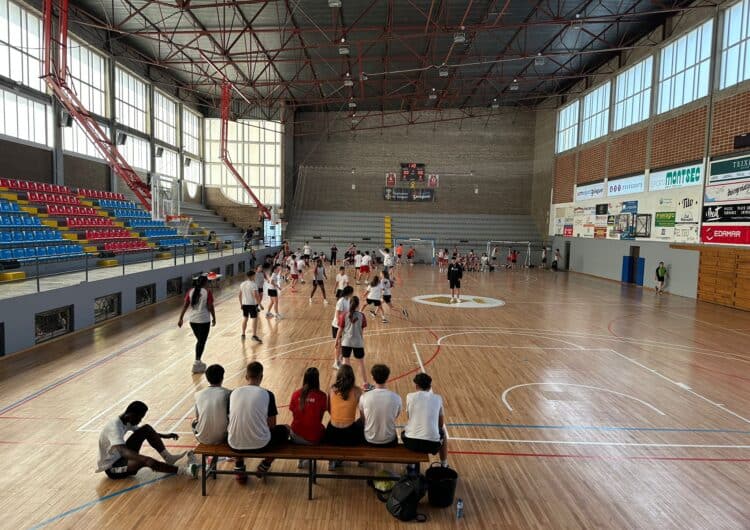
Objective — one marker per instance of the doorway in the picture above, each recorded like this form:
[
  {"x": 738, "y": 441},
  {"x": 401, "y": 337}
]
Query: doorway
[
  {"x": 635, "y": 254},
  {"x": 567, "y": 255}
]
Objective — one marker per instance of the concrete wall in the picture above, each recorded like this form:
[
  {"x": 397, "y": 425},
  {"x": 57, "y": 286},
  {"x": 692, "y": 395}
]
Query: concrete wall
[
  {"x": 86, "y": 173},
  {"x": 22, "y": 161},
  {"x": 544, "y": 168},
  {"x": 18, "y": 314},
  {"x": 499, "y": 151},
  {"x": 603, "y": 258}
]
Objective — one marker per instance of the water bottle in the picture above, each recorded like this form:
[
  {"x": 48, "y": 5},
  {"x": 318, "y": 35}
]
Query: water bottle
[{"x": 459, "y": 509}]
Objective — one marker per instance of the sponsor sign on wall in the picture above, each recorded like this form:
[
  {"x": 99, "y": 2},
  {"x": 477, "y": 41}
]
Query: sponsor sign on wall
[
  {"x": 568, "y": 231},
  {"x": 665, "y": 219},
  {"x": 590, "y": 191},
  {"x": 600, "y": 232},
  {"x": 679, "y": 177},
  {"x": 735, "y": 191},
  {"x": 727, "y": 213},
  {"x": 688, "y": 210},
  {"x": 602, "y": 209},
  {"x": 626, "y": 186},
  {"x": 728, "y": 170},
  {"x": 728, "y": 234}
]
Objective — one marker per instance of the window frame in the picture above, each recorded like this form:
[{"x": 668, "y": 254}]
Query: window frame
[{"x": 570, "y": 130}]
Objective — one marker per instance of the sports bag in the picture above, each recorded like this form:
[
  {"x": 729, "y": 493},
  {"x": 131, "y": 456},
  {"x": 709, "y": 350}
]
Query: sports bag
[{"x": 404, "y": 499}]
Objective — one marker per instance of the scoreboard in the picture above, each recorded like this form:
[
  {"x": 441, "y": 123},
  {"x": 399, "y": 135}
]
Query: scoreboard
[{"x": 412, "y": 172}]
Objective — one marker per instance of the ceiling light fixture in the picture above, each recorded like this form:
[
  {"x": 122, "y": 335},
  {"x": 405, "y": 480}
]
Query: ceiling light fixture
[
  {"x": 495, "y": 103},
  {"x": 443, "y": 71},
  {"x": 343, "y": 47},
  {"x": 348, "y": 81},
  {"x": 514, "y": 85},
  {"x": 433, "y": 94},
  {"x": 539, "y": 60},
  {"x": 334, "y": 3}
]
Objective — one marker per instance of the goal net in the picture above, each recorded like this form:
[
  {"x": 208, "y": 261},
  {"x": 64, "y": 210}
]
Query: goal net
[
  {"x": 499, "y": 250},
  {"x": 424, "y": 249},
  {"x": 165, "y": 197}
]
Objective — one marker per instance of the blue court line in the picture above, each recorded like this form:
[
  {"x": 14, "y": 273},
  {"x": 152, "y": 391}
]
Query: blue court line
[
  {"x": 595, "y": 428},
  {"x": 97, "y": 501},
  {"x": 75, "y": 374}
]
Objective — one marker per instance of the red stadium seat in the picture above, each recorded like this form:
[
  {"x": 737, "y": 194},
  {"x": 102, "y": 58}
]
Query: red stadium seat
[{"x": 4, "y": 183}]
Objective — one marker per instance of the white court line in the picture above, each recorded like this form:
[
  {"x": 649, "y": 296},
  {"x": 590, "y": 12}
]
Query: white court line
[
  {"x": 607, "y": 444},
  {"x": 525, "y": 334},
  {"x": 707, "y": 323},
  {"x": 682, "y": 386},
  {"x": 419, "y": 359},
  {"x": 500, "y": 347},
  {"x": 628, "y": 396}
]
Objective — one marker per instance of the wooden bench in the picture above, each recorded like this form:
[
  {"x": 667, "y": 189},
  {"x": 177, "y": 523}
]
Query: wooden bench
[{"x": 361, "y": 453}]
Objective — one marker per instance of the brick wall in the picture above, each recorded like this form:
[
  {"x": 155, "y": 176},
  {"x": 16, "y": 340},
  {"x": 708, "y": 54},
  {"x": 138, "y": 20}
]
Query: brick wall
[
  {"x": 21, "y": 161},
  {"x": 731, "y": 118},
  {"x": 592, "y": 163},
  {"x": 679, "y": 139},
  {"x": 565, "y": 178},
  {"x": 627, "y": 154},
  {"x": 84, "y": 173}
]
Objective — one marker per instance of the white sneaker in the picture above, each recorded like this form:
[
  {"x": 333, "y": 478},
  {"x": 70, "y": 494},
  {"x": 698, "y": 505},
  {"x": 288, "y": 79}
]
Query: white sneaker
[
  {"x": 189, "y": 470},
  {"x": 279, "y": 316},
  {"x": 325, "y": 301},
  {"x": 336, "y": 364},
  {"x": 269, "y": 315},
  {"x": 385, "y": 321},
  {"x": 198, "y": 367},
  {"x": 309, "y": 301}
]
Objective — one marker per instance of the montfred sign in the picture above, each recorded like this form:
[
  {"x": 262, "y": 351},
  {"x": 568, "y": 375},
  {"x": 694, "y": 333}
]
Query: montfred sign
[{"x": 679, "y": 177}]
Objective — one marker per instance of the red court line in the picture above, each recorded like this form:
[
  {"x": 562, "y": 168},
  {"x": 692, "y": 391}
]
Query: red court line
[
  {"x": 426, "y": 363},
  {"x": 600, "y": 457}
]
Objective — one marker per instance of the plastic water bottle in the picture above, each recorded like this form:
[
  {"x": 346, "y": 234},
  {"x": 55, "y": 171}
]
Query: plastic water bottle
[{"x": 460, "y": 509}]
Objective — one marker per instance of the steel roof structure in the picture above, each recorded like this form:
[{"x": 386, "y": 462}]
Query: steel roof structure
[{"x": 381, "y": 55}]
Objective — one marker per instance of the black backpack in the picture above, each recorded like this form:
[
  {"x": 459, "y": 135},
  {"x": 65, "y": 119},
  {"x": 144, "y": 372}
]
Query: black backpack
[{"x": 404, "y": 498}]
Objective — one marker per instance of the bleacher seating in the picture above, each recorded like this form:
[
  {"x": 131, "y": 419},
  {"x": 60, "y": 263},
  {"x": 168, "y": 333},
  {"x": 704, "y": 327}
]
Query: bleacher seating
[
  {"x": 8, "y": 237},
  {"x": 87, "y": 222},
  {"x": 159, "y": 232},
  {"x": 131, "y": 214},
  {"x": 145, "y": 223},
  {"x": 115, "y": 233},
  {"x": 7, "y": 206},
  {"x": 18, "y": 221},
  {"x": 27, "y": 185},
  {"x": 97, "y": 194},
  {"x": 115, "y": 204},
  {"x": 125, "y": 246},
  {"x": 173, "y": 242},
  {"x": 51, "y": 198},
  {"x": 62, "y": 210}
]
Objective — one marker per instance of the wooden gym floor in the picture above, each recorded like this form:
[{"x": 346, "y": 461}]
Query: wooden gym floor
[{"x": 579, "y": 404}]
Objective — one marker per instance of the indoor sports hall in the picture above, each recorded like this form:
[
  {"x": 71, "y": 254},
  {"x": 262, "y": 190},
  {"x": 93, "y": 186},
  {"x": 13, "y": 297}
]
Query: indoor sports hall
[{"x": 363, "y": 263}]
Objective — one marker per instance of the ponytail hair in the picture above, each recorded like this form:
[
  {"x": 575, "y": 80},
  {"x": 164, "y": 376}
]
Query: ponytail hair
[
  {"x": 198, "y": 285},
  {"x": 375, "y": 281},
  {"x": 353, "y": 306}
]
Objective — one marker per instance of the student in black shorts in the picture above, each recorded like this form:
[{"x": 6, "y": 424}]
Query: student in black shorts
[
  {"x": 334, "y": 254},
  {"x": 455, "y": 273}
]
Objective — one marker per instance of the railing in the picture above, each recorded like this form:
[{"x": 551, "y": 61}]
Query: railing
[{"x": 49, "y": 274}]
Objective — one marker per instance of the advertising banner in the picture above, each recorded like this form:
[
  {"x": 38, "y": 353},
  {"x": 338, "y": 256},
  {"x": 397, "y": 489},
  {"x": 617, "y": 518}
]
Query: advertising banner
[
  {"x": 679, "y": 177},
  {"x": 727, "y": 213},
  {"x": 590, "y": 191},
  {"x": 728, "y": 170},
  {"x": 602, "y": 209},
  {"x": 433, "y": 181},
  {"x": 390, "y": 180},
  {"x": 732, "y": 235},
  {"x": 736, "y": 191},
  {"x": 687, "y": 233},
  {"x": 629, "y": 207},
  {"x": 626, "y": 186},
  {"x": 665, "y": 219},
  {"x": 568, "y": 231},
  {"x": 600, "y": 232},
  {"x": 688, "y": 211}
]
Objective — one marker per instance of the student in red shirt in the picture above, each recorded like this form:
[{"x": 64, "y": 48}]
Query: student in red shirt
[{"x": 308, "y": 405}]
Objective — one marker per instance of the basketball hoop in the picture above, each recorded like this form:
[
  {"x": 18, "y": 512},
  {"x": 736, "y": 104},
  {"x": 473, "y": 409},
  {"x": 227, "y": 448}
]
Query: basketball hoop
[{"x": 181, "y": 223}]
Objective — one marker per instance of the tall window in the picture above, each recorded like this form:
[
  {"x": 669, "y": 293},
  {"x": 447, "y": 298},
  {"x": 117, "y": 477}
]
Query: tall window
[
  {"x": 633, "y": 94},
  {"x": 735, "y": 52},
  {"x": 137, "y": 152},
  {"x": 684, "y": 69},
  {"x": 595, "y": 122},
  {"x": 24, "y": 118},
  {"x": 131, "y": 101},
  {"x": 255, "y": 150},
  {"x": 567, "y": 127},
  {"x": 191, "y": 132},
  {"x": 166, "y": 164},
  {"x": 76, "y": 141},
  {"x": 192, "y": 175},
  {"x": 20, "y": 45},
  {"x": 88, "y": 73},
  {"x": 165, "y": 119}
]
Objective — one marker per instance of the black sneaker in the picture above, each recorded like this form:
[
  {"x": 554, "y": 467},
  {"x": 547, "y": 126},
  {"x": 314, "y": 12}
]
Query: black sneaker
[
  {"x": 256, "y": 338},
  {"x": 243, "y": 336}
]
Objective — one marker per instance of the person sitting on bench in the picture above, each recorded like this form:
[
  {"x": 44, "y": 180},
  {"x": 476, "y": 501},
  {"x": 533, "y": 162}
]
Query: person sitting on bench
[
  {"x": 379, "y": 409},
  {"x": 424, "y": 431},
  {"x": 212, "y": 409},
  {"x": 343, "y": 398},
  {"x": 252, "y": 421},
  {"x": 120, "y": 458},
  {"x": 308, "y": 406}
]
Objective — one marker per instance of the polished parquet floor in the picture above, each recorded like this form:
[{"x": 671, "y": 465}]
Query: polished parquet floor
[{"x": 580, "y": 403}]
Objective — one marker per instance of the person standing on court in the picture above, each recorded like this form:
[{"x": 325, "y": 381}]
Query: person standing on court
[
  {"x": 455, "y": 273},
  {"x": 661, "y": 277},
  {"x": 200, "y": 300},
  {"x": 249, "y": 300},
  {"x": 555, "y": 259}
]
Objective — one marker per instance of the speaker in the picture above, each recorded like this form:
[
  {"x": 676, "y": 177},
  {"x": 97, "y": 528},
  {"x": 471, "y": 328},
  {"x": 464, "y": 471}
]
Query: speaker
[
  {"x": 66, "y": 120},
  {"x": 187, "y": 162},
  {"x": 158, "y": 152},
  {"x": 121, "y": 138},
  {"x": 742, "y": 141}
]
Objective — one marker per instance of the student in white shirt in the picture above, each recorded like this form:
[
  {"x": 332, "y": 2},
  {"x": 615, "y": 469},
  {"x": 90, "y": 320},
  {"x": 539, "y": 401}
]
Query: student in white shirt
[
  {"x": 200, "y": 300},
  {"x": 379, "y": 409},
  {"x": 374, "y": 295},
  {"x": 293, "y": 271},
  {"x": 387, "y": 284},
  {"x": 273, "y": 292},
  {"x": 249, "y": 300},
  {"x": 365, "y": 266},
  {"x": 388, "y": 259},
  {"x": 301, "y": 268},
  {"x": 342, "y": 280},
  {"x": 357, "y": 265},
  {"x": 212, "y": 409},
  {"x": 120, "y": 458},
  {"x": 306, "y": 251},
  {"x": 252, "y": 421},
  {"x": 319, "y": 280},
  {"x": 424, "y": 431},
  {"x": 342, "y": 309}
]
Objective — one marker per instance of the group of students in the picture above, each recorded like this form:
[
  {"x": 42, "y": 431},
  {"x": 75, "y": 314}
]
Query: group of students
[{"x": 246, "y": 419}]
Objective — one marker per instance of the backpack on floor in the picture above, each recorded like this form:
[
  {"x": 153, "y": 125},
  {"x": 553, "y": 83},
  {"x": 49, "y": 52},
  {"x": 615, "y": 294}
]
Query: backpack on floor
[
  {"x": 383, "y": 483},
  {"x": 404, "y": 499}
]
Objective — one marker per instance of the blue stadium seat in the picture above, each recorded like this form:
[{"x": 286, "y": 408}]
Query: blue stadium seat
[
  {"x": 31, "y": 252},
  {"x": 28, "y": 220},
  {"x": 6, "y": 254},
  {"x": 19, "y": 236},
  {"x": 6, "y": 237},
  {"x": 41, "y": 252},
  {"x": 30, "y": 235},
  {"x": 4, "y": 221},
  {"x": 5, "y": 207},
  {"x": 19, "y": 253}
]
